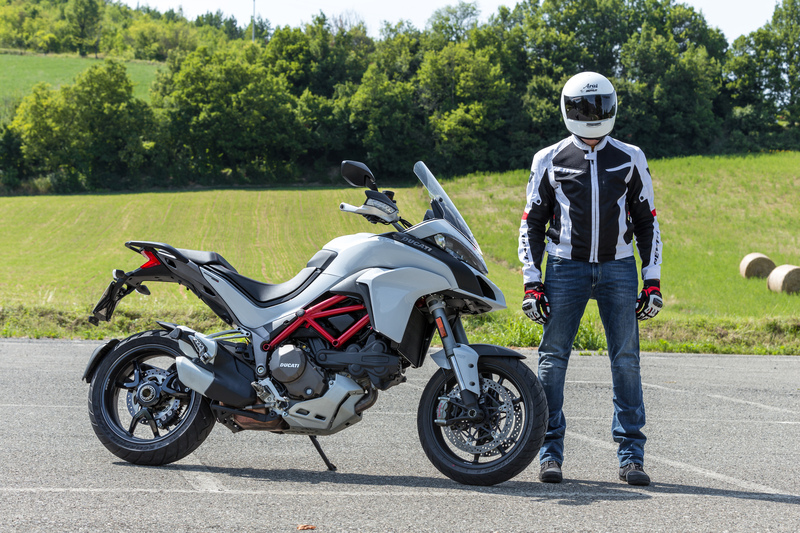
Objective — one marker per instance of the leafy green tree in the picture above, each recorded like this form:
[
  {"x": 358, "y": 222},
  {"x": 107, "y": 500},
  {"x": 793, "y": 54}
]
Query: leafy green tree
[
  {"x": 452, "y": 24},
  {"x": 398, "y": 53},
  {"x": 317, "y": 57},
  {"x": 12, "y": 161},
  {"x": 94, "y": 128},
  {"x": 599, "y": 27},
  {"x": 389, "y": 123},
  {"x": 748, "y": 78},
  {"x": 84, "y": 20},
  {"x": 154, "y": 40},
  {"x": 504, "y": 38},
  {"x": 218, "y": 20},
  {"x": 785, "y": 59},
  {"x": 552, "y": 53},
  {"x": 462, "y": 93},
  {"x": 46, "y": 42},
  {"x": 263, "y": 30},
  {"x": 228, "y": 117},
  {"x": 666, "y": 98}
]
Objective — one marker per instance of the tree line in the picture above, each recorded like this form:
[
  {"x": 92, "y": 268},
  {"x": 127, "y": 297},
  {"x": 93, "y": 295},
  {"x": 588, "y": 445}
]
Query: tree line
[{"x": 291, "y": 103}]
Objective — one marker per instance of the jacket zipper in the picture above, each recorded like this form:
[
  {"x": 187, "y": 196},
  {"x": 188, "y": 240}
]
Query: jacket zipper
[{"x": 593, "y": 252}]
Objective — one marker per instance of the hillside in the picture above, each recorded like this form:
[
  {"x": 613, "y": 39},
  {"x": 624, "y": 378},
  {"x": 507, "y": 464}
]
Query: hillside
[
  {"x": 19, "y": 73},
  {"x": 58, "y": 252}
]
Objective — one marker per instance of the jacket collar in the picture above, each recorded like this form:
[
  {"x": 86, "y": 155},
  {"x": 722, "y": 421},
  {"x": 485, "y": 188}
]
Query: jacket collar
[{"x": 585, "y": 147}]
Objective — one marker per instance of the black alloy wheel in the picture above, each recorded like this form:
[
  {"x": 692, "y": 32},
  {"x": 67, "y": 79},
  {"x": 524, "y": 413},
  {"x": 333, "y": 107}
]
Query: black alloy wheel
[
  {"x": 138, "y": 407},
  {"x": 507, "y": 438}
]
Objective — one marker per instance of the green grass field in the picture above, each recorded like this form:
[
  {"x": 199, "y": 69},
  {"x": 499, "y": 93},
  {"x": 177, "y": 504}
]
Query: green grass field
[
  {"x": 19, "y": 73},
  {"x": 58, "y": 252}
]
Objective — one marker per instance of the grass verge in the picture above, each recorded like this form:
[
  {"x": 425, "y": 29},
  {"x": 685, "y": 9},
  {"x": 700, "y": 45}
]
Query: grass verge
[{"x": 767, "y": 336}]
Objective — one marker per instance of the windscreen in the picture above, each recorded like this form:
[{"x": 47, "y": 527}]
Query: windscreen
[{"x": 440, "y": 198}]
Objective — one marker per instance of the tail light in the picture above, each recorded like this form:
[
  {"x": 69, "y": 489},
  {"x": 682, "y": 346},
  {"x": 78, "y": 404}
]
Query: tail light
[{"x": 152, "y": 260}]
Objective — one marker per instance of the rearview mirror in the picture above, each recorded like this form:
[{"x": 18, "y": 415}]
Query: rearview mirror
[{"x": 358, "y": 174}]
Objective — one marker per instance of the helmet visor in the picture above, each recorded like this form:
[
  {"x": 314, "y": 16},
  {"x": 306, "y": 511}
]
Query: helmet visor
[{"x": 591, "y": 108}]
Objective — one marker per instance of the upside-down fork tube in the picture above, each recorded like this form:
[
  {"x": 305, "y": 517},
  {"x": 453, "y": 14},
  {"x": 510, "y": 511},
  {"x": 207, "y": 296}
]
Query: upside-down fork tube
[{"x": 464, "y": 368}]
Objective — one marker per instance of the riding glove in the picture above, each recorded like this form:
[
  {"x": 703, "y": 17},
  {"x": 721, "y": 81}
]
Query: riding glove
[
  {"x": 650, "y": 300},
  {"x": 535, "y": 304}
]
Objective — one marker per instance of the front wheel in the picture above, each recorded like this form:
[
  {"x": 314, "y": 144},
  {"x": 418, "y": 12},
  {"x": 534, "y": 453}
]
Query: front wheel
[
  {"x": 139, "y": 409},
  {"x": 507, "y": 439}
]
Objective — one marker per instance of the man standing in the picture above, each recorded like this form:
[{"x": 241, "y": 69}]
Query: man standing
[{"x": 588, "y": 196}]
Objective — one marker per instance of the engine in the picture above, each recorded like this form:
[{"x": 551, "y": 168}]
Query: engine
[
  {"x": 372, "y": 361},
  {"x": 302, "y": 378},
  {"x": 302, "y": 370}
]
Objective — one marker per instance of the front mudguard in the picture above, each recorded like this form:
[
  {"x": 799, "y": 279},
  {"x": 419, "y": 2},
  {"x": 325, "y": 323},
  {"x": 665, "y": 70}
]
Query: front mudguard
[{"x": 466, "y": 357}]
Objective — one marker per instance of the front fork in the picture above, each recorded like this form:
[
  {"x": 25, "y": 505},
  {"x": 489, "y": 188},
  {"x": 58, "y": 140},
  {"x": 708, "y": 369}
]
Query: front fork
[{"x": 458, "y": 356}]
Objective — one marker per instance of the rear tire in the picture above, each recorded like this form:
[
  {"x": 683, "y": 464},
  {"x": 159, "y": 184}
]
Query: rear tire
[
  {"x": 504, "y": 443},
  {"x": 139, "y": 409}
]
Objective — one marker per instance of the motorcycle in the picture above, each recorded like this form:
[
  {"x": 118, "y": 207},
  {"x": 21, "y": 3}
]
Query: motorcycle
[{"x": 310, "y": 355}]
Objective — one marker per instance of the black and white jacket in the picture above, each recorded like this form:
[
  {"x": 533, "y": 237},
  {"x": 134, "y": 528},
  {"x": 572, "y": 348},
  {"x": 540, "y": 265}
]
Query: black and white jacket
[{"x": 595, "y": 202}]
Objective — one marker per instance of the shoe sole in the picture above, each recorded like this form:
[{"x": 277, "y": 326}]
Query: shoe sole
[
  {"x": 550, "y": 478},
  {"x": 636, "y": 480}
]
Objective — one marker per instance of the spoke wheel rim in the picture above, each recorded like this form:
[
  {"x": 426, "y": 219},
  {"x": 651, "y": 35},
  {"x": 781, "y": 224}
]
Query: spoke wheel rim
[
  {"x": 491, "y": 441},
  {"x": 143, "y": 401}
]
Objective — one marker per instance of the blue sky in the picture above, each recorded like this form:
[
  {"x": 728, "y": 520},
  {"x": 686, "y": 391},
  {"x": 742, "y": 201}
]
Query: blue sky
[{"x": 733, "y": 17}]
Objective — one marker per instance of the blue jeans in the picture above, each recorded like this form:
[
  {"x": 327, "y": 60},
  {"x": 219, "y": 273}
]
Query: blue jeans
[{"x": 614, "y": 284}]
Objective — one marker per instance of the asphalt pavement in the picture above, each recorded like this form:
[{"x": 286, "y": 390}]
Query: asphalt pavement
[{"x": 723, "y": 452}]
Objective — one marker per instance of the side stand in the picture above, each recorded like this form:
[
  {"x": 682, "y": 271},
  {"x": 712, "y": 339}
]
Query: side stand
[{"x": 315, "y": 442}]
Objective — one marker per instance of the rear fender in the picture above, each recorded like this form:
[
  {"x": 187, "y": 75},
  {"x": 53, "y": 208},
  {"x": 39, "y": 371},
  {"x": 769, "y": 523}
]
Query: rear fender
[{"x": 99, "y": 353}]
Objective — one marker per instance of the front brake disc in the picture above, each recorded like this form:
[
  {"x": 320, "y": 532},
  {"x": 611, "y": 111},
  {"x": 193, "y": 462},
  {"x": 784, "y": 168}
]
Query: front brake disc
[{"x": 487, "y": 436}]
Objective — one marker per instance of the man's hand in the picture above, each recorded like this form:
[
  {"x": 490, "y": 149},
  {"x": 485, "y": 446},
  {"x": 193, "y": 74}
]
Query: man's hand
[
  {"x": 535, "y": 304},
  {"x": 650, "y": 301}
]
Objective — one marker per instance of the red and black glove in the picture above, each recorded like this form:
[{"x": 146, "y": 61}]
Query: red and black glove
[
  {"x": 650, "y": 300},
  {"x": 535, "y": 304}
]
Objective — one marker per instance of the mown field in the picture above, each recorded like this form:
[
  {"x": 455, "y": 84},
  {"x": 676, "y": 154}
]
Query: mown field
[
  {"x": 19, "y": 73},
  {"x": 58, "y": 252}
]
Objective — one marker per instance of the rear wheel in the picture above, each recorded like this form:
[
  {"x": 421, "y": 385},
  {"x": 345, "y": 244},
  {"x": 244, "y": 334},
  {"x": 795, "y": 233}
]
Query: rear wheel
[
  {"x": 138, "y": 407},
  {"x": 508, "y": 437}
]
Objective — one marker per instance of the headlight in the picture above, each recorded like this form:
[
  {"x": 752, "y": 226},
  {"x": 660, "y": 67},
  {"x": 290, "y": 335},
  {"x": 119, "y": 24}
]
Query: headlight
[{"x": 461, "y": 252}]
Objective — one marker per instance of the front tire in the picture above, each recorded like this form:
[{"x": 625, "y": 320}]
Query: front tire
[
  {"x": 139, "y": 409},
  {"x": 504, "y": 443}
]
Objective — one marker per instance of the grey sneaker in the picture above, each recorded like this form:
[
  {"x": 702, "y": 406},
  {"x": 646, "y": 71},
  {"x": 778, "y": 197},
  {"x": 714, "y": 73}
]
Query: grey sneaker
[
  {"x": 634, "y": 474},
  {"x": 550, "y": 472}
]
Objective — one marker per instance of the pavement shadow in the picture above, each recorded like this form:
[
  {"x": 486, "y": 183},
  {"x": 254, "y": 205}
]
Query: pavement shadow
[
  {"x": 584, "y": 492},
  {"x": 569, "y": 492}
]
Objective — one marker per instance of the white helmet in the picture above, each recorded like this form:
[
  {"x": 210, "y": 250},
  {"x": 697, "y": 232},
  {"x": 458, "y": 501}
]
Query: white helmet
[{"x": 589, "y": 105}]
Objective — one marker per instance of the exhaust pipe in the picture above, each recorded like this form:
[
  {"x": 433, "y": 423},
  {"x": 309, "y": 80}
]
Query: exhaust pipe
[
  {"x": 194, "y": 377},
  {"x": 221, "y": 381}
]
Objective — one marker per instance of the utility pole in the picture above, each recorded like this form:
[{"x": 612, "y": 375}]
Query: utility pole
[{"x": 254, "y": 20}]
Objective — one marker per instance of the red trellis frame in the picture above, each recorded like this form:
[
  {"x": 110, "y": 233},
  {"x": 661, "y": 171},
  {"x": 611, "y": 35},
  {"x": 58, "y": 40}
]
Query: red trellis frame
[{"x": 323, "y": 310}]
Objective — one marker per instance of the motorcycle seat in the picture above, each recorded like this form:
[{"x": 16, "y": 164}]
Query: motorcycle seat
[
  {"x": 268, "y": 294},
  {"x": 206, "y": 258}
]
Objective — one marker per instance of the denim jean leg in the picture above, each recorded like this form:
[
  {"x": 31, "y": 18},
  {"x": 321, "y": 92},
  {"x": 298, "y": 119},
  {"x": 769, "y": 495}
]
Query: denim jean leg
[
  {"x": 567, "y": 286},
  {"x": 616, "y": 293}
]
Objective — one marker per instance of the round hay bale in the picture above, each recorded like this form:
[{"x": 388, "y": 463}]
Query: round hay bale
[
  {"x": 756, "y": 265},
  {"x": 785, "y": 278}
]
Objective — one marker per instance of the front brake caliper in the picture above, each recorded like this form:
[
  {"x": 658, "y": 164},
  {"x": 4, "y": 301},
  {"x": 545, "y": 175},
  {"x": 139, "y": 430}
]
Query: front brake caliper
[{"x": 441, "y": 411}]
